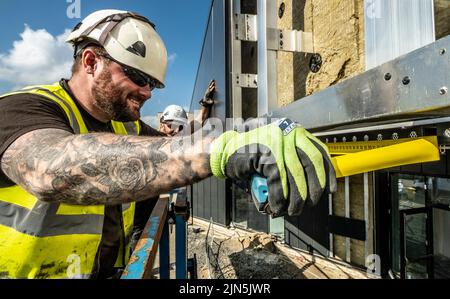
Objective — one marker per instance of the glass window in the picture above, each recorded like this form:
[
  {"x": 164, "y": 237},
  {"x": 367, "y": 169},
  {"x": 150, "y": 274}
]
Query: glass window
[
  {"x": 241, "y": 203},
  {"x": 408, "y": 192},
  {"x": 411, "y": 192},
  {"x": 439, "y": 191},
  {"x": 416, "y": 246},
  {"x": 245, "y": 213}
]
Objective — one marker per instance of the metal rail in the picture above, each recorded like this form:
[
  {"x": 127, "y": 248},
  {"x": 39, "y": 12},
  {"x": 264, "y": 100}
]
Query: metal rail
[
  {"x": 411, "y": 86},
  {"x": 156, "y": 235},
  {"x": 142, "y": 260}
]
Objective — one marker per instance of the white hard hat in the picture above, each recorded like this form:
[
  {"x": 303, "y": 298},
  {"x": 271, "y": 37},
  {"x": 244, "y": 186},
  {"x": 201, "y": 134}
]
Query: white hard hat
[
  {"x": 127, "y": 37},
  {"x": 174, "y": 113}
]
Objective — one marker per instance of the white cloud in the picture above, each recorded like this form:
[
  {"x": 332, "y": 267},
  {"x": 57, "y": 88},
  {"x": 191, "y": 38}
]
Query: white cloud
[
  {"x": 171, "y": 58},
  {"x": 37, "y": 58}
]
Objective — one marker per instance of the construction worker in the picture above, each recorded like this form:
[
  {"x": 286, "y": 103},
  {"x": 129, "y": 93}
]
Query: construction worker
[
  {"x": 174, "y": 118},
  {"x": 73, "y": 167}
]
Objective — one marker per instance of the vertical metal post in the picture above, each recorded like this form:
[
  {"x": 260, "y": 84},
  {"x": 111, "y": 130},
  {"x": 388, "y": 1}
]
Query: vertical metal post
[
  {"x": 267, "y": 72},
  {"x": 236, "y": 66},
  {"x": 366, "y": 214},
  {"x": 402, "y": 246},
  {"x": 267, "y": 59},
  {"x": 330, "y": 212},
  {"x": 180, "y": 247},
  {"x": 347, "y": 215},
  {"x": 164, "y": 253}
]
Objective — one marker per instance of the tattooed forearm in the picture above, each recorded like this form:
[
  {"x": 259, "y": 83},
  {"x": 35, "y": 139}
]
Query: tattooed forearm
[{"x": 55, "y": 165}]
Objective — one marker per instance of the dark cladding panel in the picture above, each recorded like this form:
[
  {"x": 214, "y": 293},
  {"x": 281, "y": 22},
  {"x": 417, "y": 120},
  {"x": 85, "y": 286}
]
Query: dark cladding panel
[
  {"x": 310, "y": 228},
  {"x": 214, "y": 190},
  {"x": 221, "y": 212},
  {"x": 213, "y": 62},
  {"x": 435, "y": 168},
  {"x": 210, "y": 198}
]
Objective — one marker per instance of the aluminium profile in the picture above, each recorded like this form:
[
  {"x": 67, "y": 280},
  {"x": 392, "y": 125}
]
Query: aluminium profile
[{"x": 411, "y": 86}]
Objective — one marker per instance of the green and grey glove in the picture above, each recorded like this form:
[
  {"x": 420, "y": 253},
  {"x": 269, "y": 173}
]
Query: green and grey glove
[{"x": 296, "y": 164}]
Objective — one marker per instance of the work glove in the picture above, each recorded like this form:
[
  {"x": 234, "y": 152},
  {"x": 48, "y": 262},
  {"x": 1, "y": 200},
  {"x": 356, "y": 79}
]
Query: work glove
[
  {"x": 296, "y": 164},
  {"x": 208, "y": 98}
]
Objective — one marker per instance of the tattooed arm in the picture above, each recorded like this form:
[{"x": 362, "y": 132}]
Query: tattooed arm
[{"x": 101, "y": 168}]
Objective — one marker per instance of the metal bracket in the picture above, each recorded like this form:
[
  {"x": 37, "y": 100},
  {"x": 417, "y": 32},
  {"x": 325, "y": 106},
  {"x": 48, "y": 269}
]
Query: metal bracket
[
  {"x": 181, "y": 205},
  {"x": 289, "y": 40},
  {"x": 443, "y": 148},
  {"x": 245, "y": 27},
  {"x": 246, "y": 80},
  {"x": 192, "y": 267}
]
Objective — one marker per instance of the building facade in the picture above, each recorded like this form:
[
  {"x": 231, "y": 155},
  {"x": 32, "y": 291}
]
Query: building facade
[{"x": 395, "y": 221}]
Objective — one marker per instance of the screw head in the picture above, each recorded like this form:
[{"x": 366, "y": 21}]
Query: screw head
[
  {"x": 442, "y": 51},
  {"x": 281, "y": 10},
  {"x": 315, "y": 63},
  {"x": 387, "y": 76},
  {"x": 406, "y": 80},
  {"x": 447, "y": 133},
  {"x": 443, "y": 90}
]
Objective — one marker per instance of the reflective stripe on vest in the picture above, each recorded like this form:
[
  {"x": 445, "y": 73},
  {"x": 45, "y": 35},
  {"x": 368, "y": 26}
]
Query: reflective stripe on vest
[{"x": 55, "y": 240}]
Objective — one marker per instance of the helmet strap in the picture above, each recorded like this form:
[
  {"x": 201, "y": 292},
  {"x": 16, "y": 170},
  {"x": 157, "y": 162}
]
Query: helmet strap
[{"x": 82, "y": 45}]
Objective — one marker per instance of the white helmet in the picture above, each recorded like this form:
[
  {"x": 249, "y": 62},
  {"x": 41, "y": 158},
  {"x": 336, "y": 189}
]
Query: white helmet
[
  {"x": 174, "y": 113},
  {"x": 127, "y": 37}
]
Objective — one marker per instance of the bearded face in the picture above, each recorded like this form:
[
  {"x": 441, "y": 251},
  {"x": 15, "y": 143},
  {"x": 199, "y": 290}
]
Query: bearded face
[{"x": 115, "y": 101}]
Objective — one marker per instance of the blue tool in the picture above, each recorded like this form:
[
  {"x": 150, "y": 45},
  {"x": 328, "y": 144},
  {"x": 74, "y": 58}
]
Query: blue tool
[{"x": 260, "y": 192}]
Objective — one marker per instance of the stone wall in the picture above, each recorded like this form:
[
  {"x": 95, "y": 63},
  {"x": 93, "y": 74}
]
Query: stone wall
[
  {"x": 338, "y": 34},
  {"x": 442, "y": 18},
  {"x": 356, "y": 196}
]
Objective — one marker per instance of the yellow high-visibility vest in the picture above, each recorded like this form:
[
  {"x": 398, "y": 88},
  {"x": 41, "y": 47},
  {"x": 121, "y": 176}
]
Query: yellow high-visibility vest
[{"x": 56, "y": 240}]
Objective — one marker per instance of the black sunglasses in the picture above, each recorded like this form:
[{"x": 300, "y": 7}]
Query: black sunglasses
[
  {"x": 136, "y": 76},
  {"x": 174, "y": 125}
]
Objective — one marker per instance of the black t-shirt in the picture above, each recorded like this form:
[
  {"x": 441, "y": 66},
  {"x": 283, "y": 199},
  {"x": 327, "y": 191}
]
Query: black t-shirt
[{"x": 23, "y": 113}]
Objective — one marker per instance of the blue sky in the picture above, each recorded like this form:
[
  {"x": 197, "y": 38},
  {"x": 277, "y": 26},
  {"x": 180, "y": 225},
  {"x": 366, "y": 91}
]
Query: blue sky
[{"x": 32, "y": 50}]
